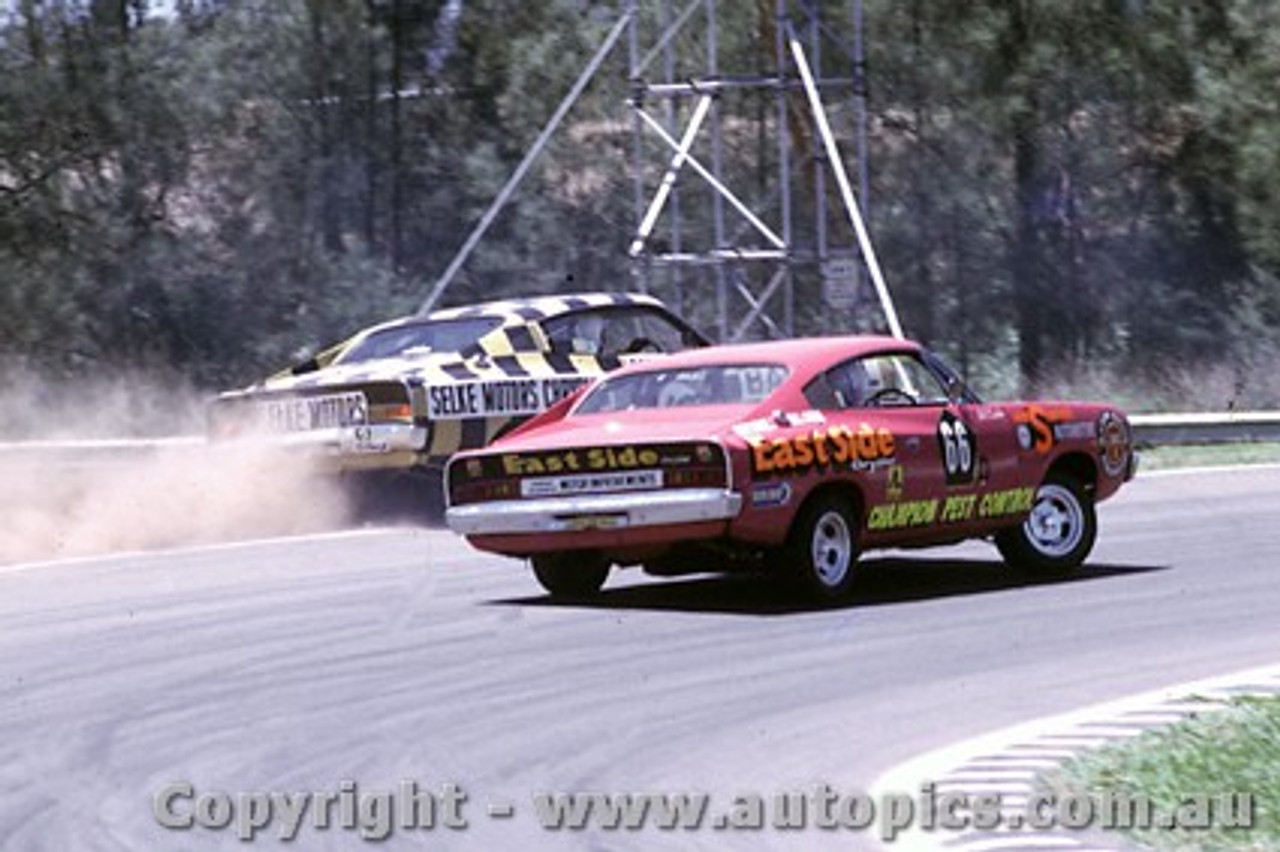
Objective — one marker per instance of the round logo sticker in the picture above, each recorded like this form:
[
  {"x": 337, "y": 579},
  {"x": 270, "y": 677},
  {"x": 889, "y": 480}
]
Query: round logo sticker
[
  {"x": 1024, "y": 436},
  {"x": 1113, "y": 443}
]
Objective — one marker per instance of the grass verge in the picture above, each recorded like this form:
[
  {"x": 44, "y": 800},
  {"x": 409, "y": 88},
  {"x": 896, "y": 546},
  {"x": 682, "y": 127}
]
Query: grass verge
[{"x": 1231, "y": 752}]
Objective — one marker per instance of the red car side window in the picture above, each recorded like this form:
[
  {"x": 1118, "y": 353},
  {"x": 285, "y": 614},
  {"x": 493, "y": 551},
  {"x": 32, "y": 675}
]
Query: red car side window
[
  {"x": 821, "y": 395},
  {"x": 881, "y": 380},
  {"x": 843, "y": 386}
]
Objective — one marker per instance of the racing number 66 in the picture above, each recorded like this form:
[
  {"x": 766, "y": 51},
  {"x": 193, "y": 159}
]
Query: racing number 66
[{"x": 957, "y": 444}]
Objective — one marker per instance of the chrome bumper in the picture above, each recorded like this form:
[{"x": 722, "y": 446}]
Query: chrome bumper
[
  {"x": 348, "y": 440},
  {"x": 594, "y": 512}
]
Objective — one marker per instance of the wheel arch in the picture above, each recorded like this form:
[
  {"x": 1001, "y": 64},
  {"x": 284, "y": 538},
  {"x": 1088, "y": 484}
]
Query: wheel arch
[
  {"x": 1078, "y": 466},
  {"x": 840, "y": 488},
  {"x": 819, "y": 556}
]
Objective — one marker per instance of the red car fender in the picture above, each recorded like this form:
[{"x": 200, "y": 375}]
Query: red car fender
[{"x": 771, "y": 504}]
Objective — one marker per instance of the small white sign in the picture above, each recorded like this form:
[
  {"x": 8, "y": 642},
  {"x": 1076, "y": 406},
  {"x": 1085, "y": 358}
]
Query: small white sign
[
  {"x": 590, "y": 483},
  {"x": 498, "y": 397},
  {"x": 840, "y": 282}
]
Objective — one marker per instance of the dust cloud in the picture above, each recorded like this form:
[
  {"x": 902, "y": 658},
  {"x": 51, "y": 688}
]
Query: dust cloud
[{"x": 63, "y": 496}]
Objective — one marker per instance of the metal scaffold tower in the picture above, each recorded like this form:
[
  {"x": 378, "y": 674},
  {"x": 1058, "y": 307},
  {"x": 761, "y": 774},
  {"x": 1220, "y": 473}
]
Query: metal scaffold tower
[
  {"x": 759, "y": 146},
  {"x": 731, "y": 167}
]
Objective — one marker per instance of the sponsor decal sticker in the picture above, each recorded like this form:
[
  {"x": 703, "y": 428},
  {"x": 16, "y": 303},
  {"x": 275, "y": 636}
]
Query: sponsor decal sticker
[
  {"x": 1113, "y": 443},
  {"x": 302, "y": 414},
  {"x": 772, "y": 495},
  {"x": 1011, "y": 501},
  {"x": 894, "y": 482},
  {"x": 695, "y": 461},
  {"x": 754, "y": 428},
  {"x": 808, "y": 417},
  {"x": 749, "y": 429},
  {"x": 1075, "y": 430},
  {"x": 501, "y": 397},
  {"x": 590, "y": 483},
  {"x": 573, "y": 461},
  {"x": 1025, "y": 439},
  {"x": 863, "y": 449},
  {"x": 958, "y": 508},
  {"x": 896, "y": 516},
  {"x": 955, "y": 509},
  {"x": 1035, "y": 425}
]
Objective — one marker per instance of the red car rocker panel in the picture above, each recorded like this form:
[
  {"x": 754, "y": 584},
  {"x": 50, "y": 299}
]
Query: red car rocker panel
[{"x": 795, "y": 455}]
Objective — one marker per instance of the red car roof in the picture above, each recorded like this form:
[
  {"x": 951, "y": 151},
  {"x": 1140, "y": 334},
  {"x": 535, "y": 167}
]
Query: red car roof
[{"x": 801, "y": 355}]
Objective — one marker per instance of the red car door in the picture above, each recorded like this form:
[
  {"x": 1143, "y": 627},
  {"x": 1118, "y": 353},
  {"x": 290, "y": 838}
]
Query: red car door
[
  {"x": 903, "y": 489},
  {"x": 990, "y": 490},
  {"x": 954, "y": 469}
]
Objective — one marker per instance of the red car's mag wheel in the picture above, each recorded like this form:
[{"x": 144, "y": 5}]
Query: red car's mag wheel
[
  {"x": 1057, "y": 535},
  {"x": 571, "y": 574},
  {"x": 822, "y": 548}
]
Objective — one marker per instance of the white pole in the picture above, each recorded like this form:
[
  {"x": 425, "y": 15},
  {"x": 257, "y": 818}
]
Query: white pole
[
  {"x": 717, "y": 185},
  {"x": 669, "y": 179},
  {"x": 846, "y": 191}
]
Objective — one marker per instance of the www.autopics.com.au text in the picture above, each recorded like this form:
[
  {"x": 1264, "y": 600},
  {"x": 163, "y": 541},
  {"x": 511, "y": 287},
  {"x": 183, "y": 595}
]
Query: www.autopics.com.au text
[{"x": 375, "y": 815}]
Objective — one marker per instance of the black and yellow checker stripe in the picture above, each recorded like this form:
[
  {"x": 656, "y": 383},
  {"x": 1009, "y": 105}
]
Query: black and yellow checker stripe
[
  {"x": 447, "y": 436},
  {"x": 516, "y": 353}
]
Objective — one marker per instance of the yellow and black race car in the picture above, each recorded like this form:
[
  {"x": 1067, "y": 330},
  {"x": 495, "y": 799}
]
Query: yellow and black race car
[{"x": 409, "y": 393}]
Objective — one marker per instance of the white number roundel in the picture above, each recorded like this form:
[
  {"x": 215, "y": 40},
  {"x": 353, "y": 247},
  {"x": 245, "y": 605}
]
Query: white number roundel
[{"x": 957, "y": 448}]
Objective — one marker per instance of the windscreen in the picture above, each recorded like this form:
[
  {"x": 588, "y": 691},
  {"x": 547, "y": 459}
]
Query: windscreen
[
  {"x": 723, "y": 384},
  {"x": 420, "y": 338}
]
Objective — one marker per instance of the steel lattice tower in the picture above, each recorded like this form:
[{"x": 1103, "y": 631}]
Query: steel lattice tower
[
  {"x": 751, "y": 221},
  {"x": 701, "y": 227}
]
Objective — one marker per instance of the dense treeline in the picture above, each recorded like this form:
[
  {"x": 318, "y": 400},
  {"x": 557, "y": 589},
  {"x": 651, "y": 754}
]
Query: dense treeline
[{"x": 215, "y": 187}]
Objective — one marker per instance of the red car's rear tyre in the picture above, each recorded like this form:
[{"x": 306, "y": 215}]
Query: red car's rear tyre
[
  {"x": 1058, "y": 535},
  {"x": 571, "y": 574},
  {"x": 822, "y": 548}
]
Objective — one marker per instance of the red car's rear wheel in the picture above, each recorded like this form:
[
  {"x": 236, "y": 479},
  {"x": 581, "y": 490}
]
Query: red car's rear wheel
[
  {"x": 571, "y": 574},
  {"x": 822, "y": 548}
]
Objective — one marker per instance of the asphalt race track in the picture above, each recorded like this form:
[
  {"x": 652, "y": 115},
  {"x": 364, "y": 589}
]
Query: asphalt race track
[{"x": 389, "y": 655}]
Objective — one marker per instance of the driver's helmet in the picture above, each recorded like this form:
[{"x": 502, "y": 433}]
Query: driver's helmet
[
  {"x": 588, "y": 334},
  {"x": 876, "y": 378},
  {"x": 853, "y": 385}
]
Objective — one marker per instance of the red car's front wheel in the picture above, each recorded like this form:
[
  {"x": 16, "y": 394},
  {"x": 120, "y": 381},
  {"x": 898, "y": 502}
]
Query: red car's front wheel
[{"x": 1058, "y": 535}]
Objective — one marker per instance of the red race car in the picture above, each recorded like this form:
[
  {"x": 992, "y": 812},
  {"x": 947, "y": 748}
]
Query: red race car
[{"x": 791, "y": 455}]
